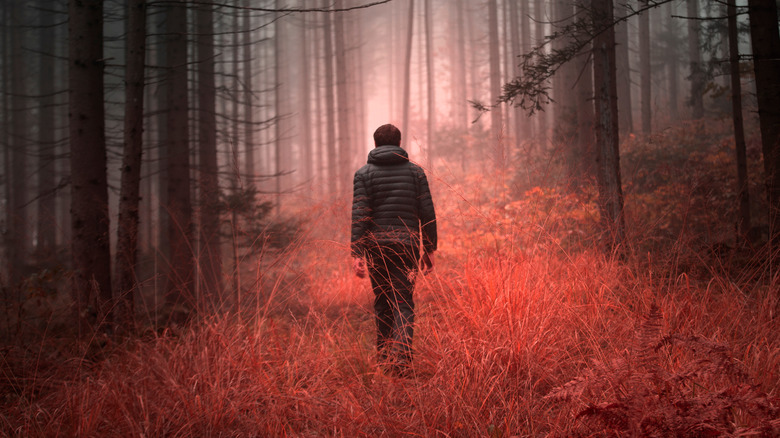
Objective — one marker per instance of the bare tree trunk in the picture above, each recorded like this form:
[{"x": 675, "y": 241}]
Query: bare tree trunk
[
  {"x": 585, "y": 116},
  {"x": 47, "y": 218},
  {"x": 249, "y": 126},
  {"x": 305, "y": 108},
  {"x": 92, "y": 295},
  {"x": 525, "y": 25},
  {"x": 766, "y": 65},
  {"x": 343, "y": 104},
  {"x": 625, "y": 112},
  {"x": 19, "y": 225},
  {"x": 694, "y": 53},
  {"x": 607, "y": 137},
  {"x": 644, "y": 69},
  {"x": 539, "y": 20},
  {"x": 179, "y": 287},
  {"x": 407, "y": 73},
  {"x": 330, "y": 104},
  {"x": 496, "y": 115},
  {"x": 129, "y": 197},
  {"x": 566, "y": 101},
  {"x": 672, "y": 70},
  {"x": 743, "y": 193},
  {"x": 430, "y": 82},
  {"x": 210, "y": 241}
]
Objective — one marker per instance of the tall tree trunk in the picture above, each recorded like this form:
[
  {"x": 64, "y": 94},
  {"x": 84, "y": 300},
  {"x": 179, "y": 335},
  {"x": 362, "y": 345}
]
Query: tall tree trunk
[
  {"x": 305, "y": 107},
  {"x": 625, "y": 112},
  {"x": 458, "y": 70},
  {"x": 92, "y": 295},
  {"x": 47, "y": 218},
  {"x": 19, "y": 229},
  {"x": 539, "y": 19},
  {"x": 743, "y": 194},
  {"x": 585, "y": 117},
  {"x": 129, "y": 197},
  {"x": 343, "y": 104},
  {"x": 607, "y": 137},
  {"x": 671, "y": 66},
  {"x": 496, "y": 115},
  {"x": 694, "y": 53},
  {"x": 330, "y": 105},
  {"x": 408, "y": 73},
  {"x": 431, "y": 87},
  {"x": 564, "y": 82},
  {"x": 526, "y": 126},
  {"x": 766, "y": 65},
  {"x": 210, "y": 242},
  {"x": 249, "y": 126},
  {"x": 179, "y": 287},
  {"x": 644, "y": 69}
]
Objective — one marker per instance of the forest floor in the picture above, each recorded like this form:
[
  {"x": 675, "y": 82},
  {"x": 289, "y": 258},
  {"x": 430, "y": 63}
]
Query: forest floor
[{"x": 524, "y": 328}]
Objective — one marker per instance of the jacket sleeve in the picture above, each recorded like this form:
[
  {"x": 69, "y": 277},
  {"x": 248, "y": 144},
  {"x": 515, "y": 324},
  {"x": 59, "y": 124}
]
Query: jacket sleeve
[
  {"x": 427, "y": 215},
  {"x": 361, "y": 215}
]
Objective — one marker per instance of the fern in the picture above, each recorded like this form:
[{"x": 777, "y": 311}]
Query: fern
[{"x": 706, "y": 393}]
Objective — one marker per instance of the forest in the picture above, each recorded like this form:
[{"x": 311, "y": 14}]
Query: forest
[{"x": 175, "y": 212}]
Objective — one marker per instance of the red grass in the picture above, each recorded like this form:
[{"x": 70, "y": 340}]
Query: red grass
[{"x": 516, "y": 335}]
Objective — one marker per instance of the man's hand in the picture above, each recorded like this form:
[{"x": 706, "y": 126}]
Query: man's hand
[
  {"x": 427, "y": 262},
  {"x": 359, "y": 265}
]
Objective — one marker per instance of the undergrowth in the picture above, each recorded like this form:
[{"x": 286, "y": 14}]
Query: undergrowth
[{"x": 521, "y": 330}]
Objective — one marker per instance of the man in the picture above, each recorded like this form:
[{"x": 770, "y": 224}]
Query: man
[{"x": 393, "y": 232}]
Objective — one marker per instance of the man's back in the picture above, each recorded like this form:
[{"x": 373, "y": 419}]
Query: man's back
[{"x": 392, "y": 203}]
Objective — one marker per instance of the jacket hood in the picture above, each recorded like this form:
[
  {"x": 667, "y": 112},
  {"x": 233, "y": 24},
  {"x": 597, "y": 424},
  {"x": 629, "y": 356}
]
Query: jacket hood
[{"x": 387, "y": 155}]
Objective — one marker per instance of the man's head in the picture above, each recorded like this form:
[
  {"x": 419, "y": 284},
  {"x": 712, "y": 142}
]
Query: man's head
[{"x": 387, "y": 135}]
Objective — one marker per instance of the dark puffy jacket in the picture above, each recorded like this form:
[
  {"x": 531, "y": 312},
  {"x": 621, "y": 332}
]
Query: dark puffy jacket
[{"x": 391, "y": 203}]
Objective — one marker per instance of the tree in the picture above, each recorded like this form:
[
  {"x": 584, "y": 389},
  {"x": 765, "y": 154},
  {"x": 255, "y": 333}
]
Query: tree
[
  {"x": 766, "y": 65},
  {"x": 743, "y": 195},
  {"x": 644, "y": 69},
  {"x": 496, "y": 117},
  {"x": 330, "y": 105},
  {"x": 694, "y": 53},
  {"x": 607, "y": 141},
  {"x": 623, "y": 69},
  {"x": 91, "y": 287},
  {"x": 129, "y": 198},
  {"x": 407, "y": 71},
  {"x": 208, "y": 181},
  {"x": 431, "y": 87},
  {"x": 179, "y": 284}
]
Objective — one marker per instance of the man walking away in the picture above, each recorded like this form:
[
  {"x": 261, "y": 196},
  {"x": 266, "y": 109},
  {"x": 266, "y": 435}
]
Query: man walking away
[{"x": 393, "y": 232}]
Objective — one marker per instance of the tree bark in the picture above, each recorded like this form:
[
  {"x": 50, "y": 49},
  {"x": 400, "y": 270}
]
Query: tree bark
[
  {"x": 766, "y": 65},
  {"x": 19, "y": 232},
  {"x": 47, "y": 218},
  {"x": 91, "y": 286},
  {"x": 694, "y": 53},
  {"x": 249, "y": 126},
  {"x": 330, "y": 105},
  {"x": 607, "y": 137},
  {"x": 431, "y": 87},
  {"x": 129, "y": 196},
  {"x": 672, "y": 65},
  {"x": 644, "y": 69},
  {"x": 743, "y": 194},
  {"x": 179, "y": 286},
  {"x": 210, "y": 241},
  {"x": 626, "y": 114},
  {"x": 496, "y": 115},
  {"x": 407, "y": 72}
]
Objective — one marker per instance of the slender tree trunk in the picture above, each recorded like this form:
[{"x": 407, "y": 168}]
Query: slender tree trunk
[
  {"x": 607, "y": 140},
  {"x": 672, "y": 69},
  {"x": 644, "y": 69},
  {"x": 330, "y": 104},
  {"x": 585, "y": 116},
  {"x": 430, "y": 82},
  {"x": 527, "y": 127},
  {"x": 496, "y": 115},
  {"x": 539, "y": 20},
  {"x": 92, "y": 295},
  {"x": 19, "y": 233},
  {"x": 566, "y": 124},
  {"x": 694, "y": 53},
  {"x": 129, "y": 197},
  {"x": 210, "y": 241},
  {"x": 47, "y": 218},
  {"x": 343, "y": 104},
  {"x": 249, "y": 126},
  {"x": 766, "y": 65},
  {"x": 305, "y": 107},
  {"x": 743, "y": 194},
  {"x": 179, "y": 287},
  {"x": 407, "y": 73},
  {"x": 625, "y": 112}
]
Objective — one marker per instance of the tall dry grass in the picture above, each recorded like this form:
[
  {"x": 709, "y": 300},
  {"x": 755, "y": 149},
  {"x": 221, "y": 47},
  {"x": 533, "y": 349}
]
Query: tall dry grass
[{"x": 518, "y": 334}]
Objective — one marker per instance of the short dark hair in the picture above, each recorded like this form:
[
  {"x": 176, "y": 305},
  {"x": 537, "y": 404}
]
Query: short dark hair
[{"x": 387, "y": 134}]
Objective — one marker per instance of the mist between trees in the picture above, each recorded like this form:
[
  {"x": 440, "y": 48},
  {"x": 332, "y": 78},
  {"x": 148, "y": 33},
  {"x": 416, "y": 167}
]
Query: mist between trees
[{"x": 172, "y": 144}]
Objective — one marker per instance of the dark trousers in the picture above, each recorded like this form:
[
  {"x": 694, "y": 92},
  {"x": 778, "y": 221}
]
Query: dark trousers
[{"x": 392, "y": 270}]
